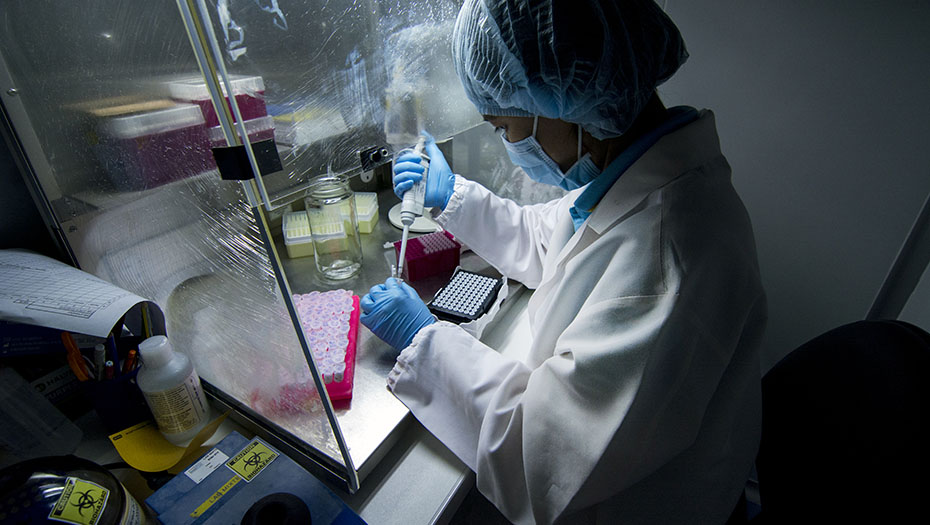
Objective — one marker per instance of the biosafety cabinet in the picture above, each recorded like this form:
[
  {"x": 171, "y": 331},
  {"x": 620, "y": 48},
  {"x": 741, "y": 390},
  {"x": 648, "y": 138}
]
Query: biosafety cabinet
[{"x": 122, "y": 111}]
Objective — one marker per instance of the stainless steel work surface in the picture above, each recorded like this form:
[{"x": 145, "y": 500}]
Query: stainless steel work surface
[
  {"x": 420, "y": 481},
  {"x": 370, "y": 421}
]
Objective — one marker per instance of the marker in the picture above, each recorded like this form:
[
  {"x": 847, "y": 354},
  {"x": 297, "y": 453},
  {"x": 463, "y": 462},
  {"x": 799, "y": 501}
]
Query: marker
[{"x": 130, "y": 363}]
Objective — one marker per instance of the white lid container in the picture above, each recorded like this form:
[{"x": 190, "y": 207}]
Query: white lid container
[{"x": 154, "y": 122}]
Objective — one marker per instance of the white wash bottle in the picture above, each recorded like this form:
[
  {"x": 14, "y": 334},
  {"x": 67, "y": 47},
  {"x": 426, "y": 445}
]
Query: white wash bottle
[{"x": 172, "y": 390}]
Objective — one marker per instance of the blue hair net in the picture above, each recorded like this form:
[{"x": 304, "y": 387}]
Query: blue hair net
[{"x": 590, "y": 62}]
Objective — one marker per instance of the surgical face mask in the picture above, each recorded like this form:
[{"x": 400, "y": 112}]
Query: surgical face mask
[{"x": 539, "y": 166}]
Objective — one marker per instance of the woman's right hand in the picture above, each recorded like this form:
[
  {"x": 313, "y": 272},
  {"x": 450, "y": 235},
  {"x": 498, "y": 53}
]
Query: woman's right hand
[{"x": 440, "y": 181}]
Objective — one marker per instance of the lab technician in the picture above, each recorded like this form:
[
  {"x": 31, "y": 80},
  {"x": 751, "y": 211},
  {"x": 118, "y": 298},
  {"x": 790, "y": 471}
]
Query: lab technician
[{"x": 639, "y": 401}]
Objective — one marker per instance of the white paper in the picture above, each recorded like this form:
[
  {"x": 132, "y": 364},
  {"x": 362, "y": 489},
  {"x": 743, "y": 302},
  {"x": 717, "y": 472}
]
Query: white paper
[
  {"x": 206, "y": 465},
  {"x": 38, "y": 290}
]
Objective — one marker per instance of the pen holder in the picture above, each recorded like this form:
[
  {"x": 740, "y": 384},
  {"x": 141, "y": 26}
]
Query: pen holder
[{"x": 119, "y": 402}]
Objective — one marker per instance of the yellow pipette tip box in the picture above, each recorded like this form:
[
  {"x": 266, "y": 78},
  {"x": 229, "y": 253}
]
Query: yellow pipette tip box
[
  {"x": 366, "y": 209},
  {"x": 297, "y": 238}
]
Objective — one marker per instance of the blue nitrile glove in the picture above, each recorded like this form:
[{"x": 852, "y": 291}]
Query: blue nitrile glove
[
  {"x": 440, "y": 181},
  {"x": 394, "y": 312}
]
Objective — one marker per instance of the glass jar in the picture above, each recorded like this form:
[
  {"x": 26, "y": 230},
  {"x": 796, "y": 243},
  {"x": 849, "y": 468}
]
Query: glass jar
[{"x": 334, "y": 227}]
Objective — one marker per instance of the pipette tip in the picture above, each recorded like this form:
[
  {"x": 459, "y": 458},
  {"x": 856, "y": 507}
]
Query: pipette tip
[{"x": 403, "y": 250}]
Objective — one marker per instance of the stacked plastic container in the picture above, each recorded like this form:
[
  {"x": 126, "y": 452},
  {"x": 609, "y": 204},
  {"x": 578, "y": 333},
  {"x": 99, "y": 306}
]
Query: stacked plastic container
[
  {"x": 428, "y": 255},
  {"x": 249, "y": 92},
  {"x": 149, "y": 148},
  {"x": 141, "y": 149}
]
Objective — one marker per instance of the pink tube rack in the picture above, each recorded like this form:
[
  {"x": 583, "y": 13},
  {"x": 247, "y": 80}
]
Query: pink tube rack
[
  {"x": 330, "y": 324},
  {"x": 428, "y": 255}
]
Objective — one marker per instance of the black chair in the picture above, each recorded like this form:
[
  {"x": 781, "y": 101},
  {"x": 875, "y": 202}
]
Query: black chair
[{"x": 844, "y": 421}]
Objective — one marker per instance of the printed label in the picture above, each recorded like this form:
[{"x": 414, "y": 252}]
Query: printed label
[
  {"x": 252, "y": 460},
  {"x": 206, "y": 465},
  {"x": 81, "y": 502},
  {"x": 203, "y": 507},
  {"x": 178, "y": 409},
  {"x": 132, "y": 514}
]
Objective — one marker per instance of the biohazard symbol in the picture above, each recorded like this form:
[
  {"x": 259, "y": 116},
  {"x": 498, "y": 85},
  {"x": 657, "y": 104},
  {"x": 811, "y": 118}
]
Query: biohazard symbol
[
  {"x": 253, "y": 461},
  {"x": 85, "y": 501}
]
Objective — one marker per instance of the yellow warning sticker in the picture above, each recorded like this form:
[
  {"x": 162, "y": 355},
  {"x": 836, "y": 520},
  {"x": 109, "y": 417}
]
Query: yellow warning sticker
[
  {"x": 215, "y": 496},
  {"x": 252, "y": 459},
  {"x": 81, "y": 502}
]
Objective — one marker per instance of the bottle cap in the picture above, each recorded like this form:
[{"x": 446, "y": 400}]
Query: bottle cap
[{"x": 155, "y": 351}]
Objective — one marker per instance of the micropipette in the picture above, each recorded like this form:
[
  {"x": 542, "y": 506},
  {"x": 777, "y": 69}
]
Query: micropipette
[{"x": 412, "y": 204}]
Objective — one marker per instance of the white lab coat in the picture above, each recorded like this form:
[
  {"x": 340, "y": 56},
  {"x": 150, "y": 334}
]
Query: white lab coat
[{"x": 639, "y": 401}]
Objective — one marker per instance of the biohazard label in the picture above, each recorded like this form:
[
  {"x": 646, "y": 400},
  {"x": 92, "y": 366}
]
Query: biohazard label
[
  {"x": 252, "y": 460},
  {"x": 81, "y": 502}
]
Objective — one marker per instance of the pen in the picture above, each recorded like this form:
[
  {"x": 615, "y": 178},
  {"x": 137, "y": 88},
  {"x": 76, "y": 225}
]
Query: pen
[
  {"x": 110, "y": 369},
  {"x": 111, "y": 342},
  {"x": 146, "y": 321}
]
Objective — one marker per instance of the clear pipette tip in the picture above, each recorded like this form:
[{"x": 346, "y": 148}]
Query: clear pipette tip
[{"x": 403, "y": 251}]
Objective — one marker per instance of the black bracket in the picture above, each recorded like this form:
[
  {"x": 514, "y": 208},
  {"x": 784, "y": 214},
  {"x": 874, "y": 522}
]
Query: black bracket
[{"x": 233, "y": 161}]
